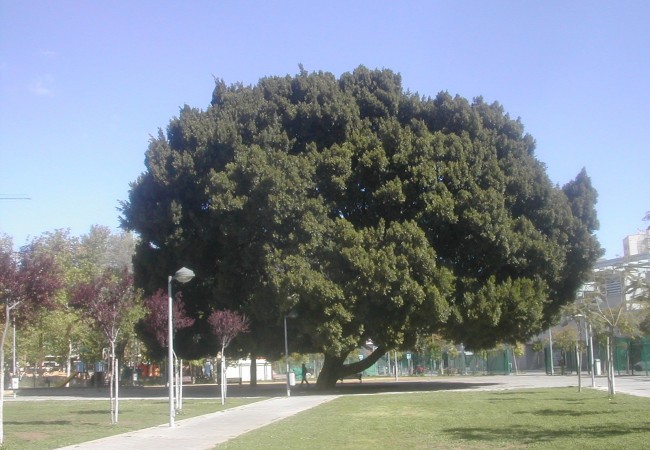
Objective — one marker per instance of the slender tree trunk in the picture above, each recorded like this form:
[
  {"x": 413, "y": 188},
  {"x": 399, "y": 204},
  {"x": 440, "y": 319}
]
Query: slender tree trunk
[
  {"x": 179, "y": 386},
  {"x": 610, "y": 366},
  {"x": 68, "y": 363},
  {"x": 253, "y": 381},
  {"x": 514, "y": 360},
  {"x": 224, "y": 380},
  {"x": 117, "y": 389},
  {"x": 113, "y": 385},
  {"x": 579, "y": 367},
  {"x": 110, "y": 388},
  {"x": 2, "y": 373}
]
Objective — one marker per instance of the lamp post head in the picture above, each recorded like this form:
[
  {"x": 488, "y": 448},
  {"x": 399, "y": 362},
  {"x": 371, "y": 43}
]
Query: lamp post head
[{"x": 183, "y": 275}]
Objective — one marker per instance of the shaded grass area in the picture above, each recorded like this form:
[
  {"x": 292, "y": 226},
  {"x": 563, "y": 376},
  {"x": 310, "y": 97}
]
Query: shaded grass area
[
  {"x": 51, "y": 424},
  {"x": 544, "y": 418}
]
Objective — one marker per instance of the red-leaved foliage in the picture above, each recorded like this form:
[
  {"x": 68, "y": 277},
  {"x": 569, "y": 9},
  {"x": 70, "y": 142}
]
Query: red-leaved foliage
[
  {"x": 106, "y": 299},
  {"x": 28, "y": 280},
  {"x": 226, "y": 325},
  {"x": 156, "y": 321}
]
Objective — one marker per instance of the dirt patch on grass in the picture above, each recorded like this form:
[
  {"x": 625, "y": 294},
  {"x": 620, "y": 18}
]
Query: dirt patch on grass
[{"x": 32, "y": 435}]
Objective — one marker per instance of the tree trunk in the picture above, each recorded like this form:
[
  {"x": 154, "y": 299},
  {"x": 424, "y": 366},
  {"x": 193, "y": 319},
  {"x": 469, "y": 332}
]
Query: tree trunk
[
  {"x": 579, "y": 365},
  {"x": 110, "y": 388},
  {"x": 68, "y": 362},
  {"x": 2, "y": 373},
  {"x": 610, "y": 366},
  {"x": 253, "y": 357},
  {"x": 117, "y": 389},
  {"x": 331, "y": 371},
  {"x": 224, "y": 380},
  {"x": 514, "y": 360},
  {"x": 113, "y": 384},
  {"x": 334, "y": 369}
]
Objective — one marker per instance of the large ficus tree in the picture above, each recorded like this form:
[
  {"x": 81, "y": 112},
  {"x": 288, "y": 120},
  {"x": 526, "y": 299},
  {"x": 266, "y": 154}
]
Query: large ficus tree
[{"x": 370, "y": 212}]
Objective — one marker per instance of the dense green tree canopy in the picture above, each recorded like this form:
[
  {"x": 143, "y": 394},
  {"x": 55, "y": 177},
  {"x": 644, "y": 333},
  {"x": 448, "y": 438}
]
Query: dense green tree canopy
[{"x": 372, "y": 212}]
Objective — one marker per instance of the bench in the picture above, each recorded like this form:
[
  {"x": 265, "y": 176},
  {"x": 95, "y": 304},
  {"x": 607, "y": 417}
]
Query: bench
[
  {"x": 354, "y": 376},
  {"x": 231, "y": 380}
]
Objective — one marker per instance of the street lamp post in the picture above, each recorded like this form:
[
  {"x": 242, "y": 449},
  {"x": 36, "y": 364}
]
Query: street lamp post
[
  {"x": 290, "y": 315},
  {"x": 550, "y": 348},
  {"x": 183, "y": 275}
]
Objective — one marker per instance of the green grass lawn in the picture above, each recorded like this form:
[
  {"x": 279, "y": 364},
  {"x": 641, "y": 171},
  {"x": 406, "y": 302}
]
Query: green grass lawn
[
  {"x": 51, "y": 424},
  {"x": 548, "y": 418},
  {"x": 540, "y": 418}
]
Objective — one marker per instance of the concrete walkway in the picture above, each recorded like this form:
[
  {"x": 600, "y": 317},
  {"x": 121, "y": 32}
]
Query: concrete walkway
[{"x": 205, "y": 432}]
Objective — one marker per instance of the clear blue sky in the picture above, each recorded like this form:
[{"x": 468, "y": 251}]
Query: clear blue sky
[{"x": 83, "y": 84}]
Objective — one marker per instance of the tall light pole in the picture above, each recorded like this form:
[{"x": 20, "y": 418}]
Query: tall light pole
[
  {"x": 183, "y": 275},
  {"x": 550, "y": 347},
  {"x": 290, "y": 315}
]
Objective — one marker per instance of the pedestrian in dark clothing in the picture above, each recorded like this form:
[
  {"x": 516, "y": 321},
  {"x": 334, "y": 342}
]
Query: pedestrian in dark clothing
[{"x": 304, "y": 375}]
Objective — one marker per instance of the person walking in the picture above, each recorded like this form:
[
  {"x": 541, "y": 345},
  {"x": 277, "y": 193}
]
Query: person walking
[{"x": 304, "y": 375}]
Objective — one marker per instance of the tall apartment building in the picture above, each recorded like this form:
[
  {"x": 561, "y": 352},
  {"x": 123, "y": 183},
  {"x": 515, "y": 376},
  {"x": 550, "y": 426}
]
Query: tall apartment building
[
  {"x": 617, "y": 282},
  {"x": 636, "y": 244}
]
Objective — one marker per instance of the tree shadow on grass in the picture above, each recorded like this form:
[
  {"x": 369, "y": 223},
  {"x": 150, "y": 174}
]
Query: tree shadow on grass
[
  {"x": 373, "y": 387},
  {"x": 39, "y": 422},
  {"x": 353, "y": 388},
  {"x": 550, "y": 412},
  {"x": 99, "y": 412},
  {"x": 524, "y": 435},
  {"x": 512, "y": 396}
]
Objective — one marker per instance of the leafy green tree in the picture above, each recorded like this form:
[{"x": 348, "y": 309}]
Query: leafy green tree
[
  {"x": 371, "y": 212},
  {"x": 56, "y": 330},
  {"x": 60, "y": 330}
]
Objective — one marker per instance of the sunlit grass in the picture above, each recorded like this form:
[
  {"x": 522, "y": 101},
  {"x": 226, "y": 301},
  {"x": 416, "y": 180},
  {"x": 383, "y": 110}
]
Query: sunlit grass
[
  {"x": 544, "y": 418},
  {"x": 51, "y": 424},
  {"x": 548, "y": 418}
]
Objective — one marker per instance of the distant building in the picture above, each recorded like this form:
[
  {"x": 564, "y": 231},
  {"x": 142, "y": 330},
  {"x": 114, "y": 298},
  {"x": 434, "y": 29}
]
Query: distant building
[
  {"x": 618, "y": 282},
  {"x": 636, "y": 244}
]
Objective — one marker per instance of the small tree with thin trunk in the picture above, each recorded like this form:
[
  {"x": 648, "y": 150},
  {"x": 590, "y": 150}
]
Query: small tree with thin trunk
[
  {"x": 226, "y": 325},
  {"x": 613, "y": 303},
  {"x": 107, "y": 300}
]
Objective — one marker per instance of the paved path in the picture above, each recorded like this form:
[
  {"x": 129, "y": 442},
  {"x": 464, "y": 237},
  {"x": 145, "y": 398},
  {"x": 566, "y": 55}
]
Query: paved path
[{"x": 205, "y": 432}]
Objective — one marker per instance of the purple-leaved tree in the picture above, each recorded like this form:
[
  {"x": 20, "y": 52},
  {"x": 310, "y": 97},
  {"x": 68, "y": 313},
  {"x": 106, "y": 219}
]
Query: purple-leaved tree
[
  {"x": 156, "y": 319},
  {"x": 226, "y": 325},
  {"x": 106, "y": 301}
]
